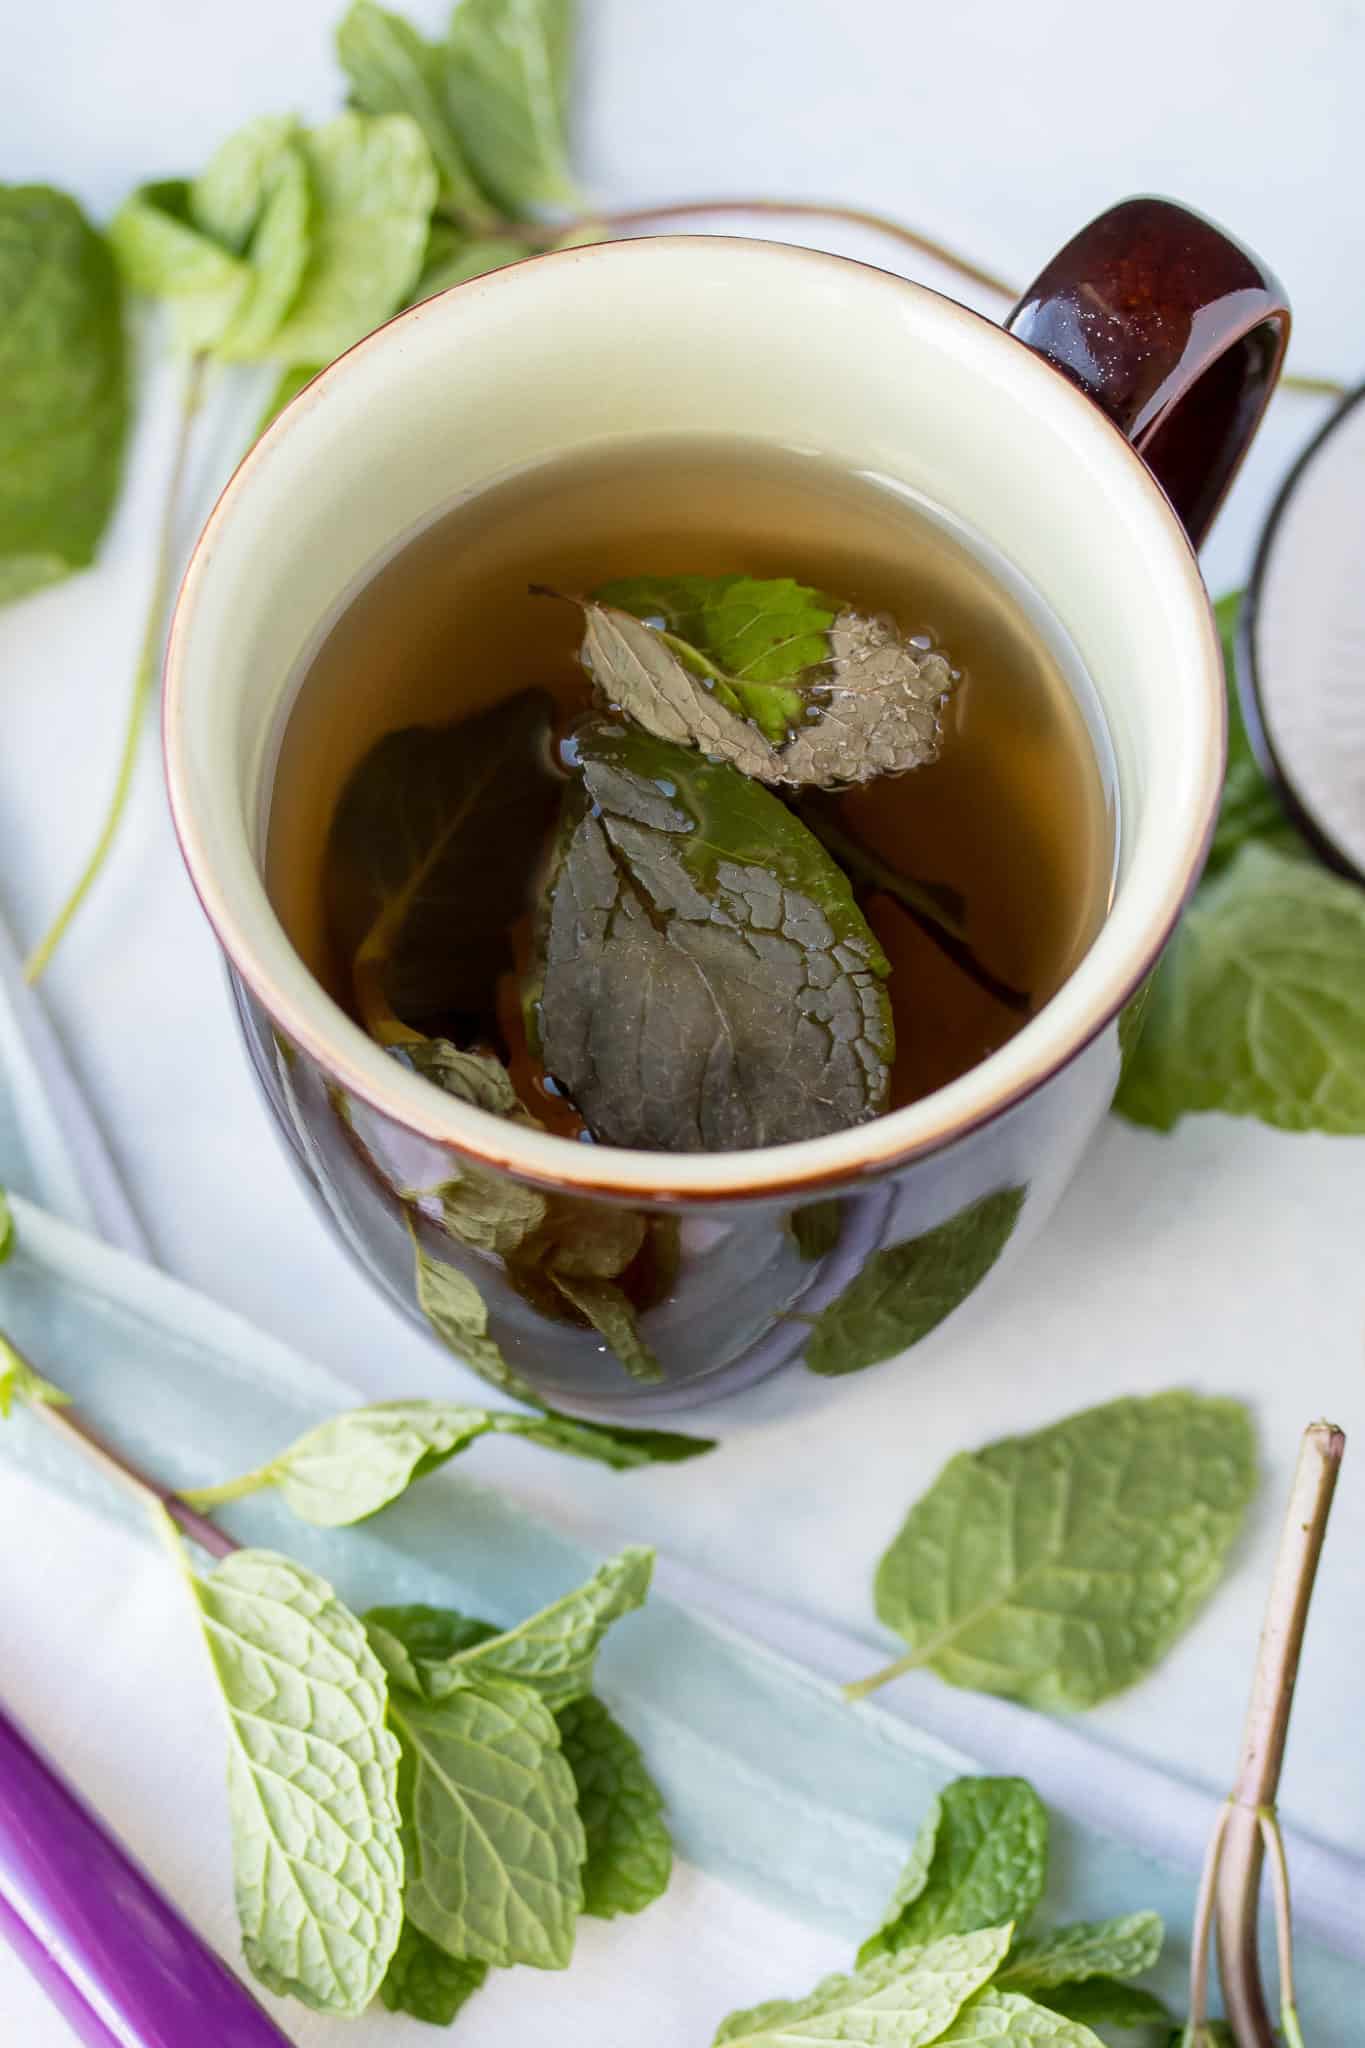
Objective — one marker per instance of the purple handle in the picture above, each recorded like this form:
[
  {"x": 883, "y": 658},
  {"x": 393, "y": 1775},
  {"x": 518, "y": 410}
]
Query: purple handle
[{"x": 109, "y": 1950}]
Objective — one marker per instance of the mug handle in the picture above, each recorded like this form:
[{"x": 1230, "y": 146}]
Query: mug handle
[{"x": 1175, "y": 330}]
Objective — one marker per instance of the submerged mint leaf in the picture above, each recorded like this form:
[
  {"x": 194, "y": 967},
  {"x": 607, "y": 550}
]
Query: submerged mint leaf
[
  {"x": 897, "y": 2001},
  {"x": 984, "y": 1862},
  {"x": 311, "y": 1781},
  {"x": 786, "y": 683},
  {"x": 612, "y": 1314},
  {"x": 425, "y": 1982},
  {"x": 394, "y": 70},
  {"x": 816, "y": 1228},
  {"x": 373, "y": 187},
  {"x": 63, "y": 375},
  {"x": 458, "y": 1316},
  {"x": 1081, "y": 1552},
  {"x": 555, "y": 1651},
  {"x": 708, "y": 980},
  {"x": 906, "y": 1290},
  {"x": 1123, "y": 1947},
  {"x": 630, "y": 1857},
  {"x": 491, "y": 1823},
  {"x": 506, "y": 81},
  {"x": 426, "y": 808},
  {"x": 1259, "y": 1005}
]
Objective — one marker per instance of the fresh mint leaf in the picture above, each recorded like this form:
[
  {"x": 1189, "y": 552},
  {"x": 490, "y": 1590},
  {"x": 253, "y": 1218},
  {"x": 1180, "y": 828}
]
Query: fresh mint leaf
[
  {"x": 18, "y": 1380},
  {"x": 281, "y": 232},
  {"x": 491, "y": 1819},
  {"x": 1001, "y": 2019},
  {"x": 897, "y": 2001},
  {"x": 427, "y": 808},
  {"x": 6, "y": 1227},
  {"x": 630, "y": 1856},
  {"x": 708, "y": 980},
  {"x": 906, "y": 1290},
  {"x": 291, "y": 382},
  {"x": 453, "y": 259},
  {"x": 394, "y": 70},
  {"x": 425, "y": 1982},
  {"x": 1259, "y": 1005},
  {"x": 1058, "y": 1568},
  {"x": 506, "y": 81},
  {"x": 554, "y": 1651},
  {"x": 622, "y": 1449},
  {"x": 163, "y": 254},
  {"x": 62, "y": 371},
  {"x": 1105, "y": 2002},
  {"x": 612, "y": 1314},
  {"x": 1250, "y": 808},
  {"x": 373, "y": 186},
  {"x": 426, "y": 1635},
  {"x": 817, "y": 693},
  {"x": 311, "y": 1781},
  {"x": 1123, "y": 1947},
  {"x": 986, "y": 1864}
]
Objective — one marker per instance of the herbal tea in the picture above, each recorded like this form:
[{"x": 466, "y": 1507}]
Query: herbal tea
[{"x": 692, "y": 795}]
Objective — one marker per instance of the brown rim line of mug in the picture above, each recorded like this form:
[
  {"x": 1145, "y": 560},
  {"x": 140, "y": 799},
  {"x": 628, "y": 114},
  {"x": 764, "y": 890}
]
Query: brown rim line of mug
[{"x": 738, "y": 1177}]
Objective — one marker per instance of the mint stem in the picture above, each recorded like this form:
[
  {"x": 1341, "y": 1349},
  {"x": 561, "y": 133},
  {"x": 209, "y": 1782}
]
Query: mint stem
[
  {"x": 1250, "y": 1822},
  {"x": 81, "y": 1437},
  {"x": 143, "y": 679}
]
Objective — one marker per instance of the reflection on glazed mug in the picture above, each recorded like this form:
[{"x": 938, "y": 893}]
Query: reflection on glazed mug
[{"x": 1090, "y": 443}]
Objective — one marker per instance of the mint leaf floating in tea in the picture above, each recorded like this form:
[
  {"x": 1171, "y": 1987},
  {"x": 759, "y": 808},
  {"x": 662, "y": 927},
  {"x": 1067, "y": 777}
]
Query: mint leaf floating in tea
[
  {"x": 708, "y": 981},
  {"x": 425, "y": 1982},
  {"x": 62, "y": 371},
  {"x": 428, "y": 808},
  {"x": 1081, "y": 1552},
  {"x": 980, "y": 1860},
  {"x": 312, "y": 1779},
  {"x": 1259, "y": 1006},
  {"x": 790, "y": 685},
  {"x": 629, "y": 1854},
  {"x": 905, "y": 1291},
  {"x": 506, "y": 82},
  {"x": 896, "y": 2001}
]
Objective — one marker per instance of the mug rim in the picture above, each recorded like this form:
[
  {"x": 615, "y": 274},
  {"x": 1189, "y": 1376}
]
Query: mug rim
[{"x": 809, "y": 1166}]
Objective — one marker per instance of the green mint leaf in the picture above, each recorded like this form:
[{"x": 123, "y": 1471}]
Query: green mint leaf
[
  {"x": 373, "y": 186},
  {"x": 1250, "y": 808},
  {"x": 1123, "y": 1947},
  {"x": 816, "y": 1228},
  {"x": 506, "y": 82},
  {"x": 427, "y": 1634},
  {"x": 788, "y": 684},
  {"x": 62, "y": 371},
  {"x": 425, "y": 1982},
  {"x": 453, "y": 259},
  {"x": 18, "y": 1380},
  {"x": 1105, "y": 2002},
  {"x": 486, "y": 1210},
  {"x": 394, "y": 70},
  {"x": 897, "y": 2001},
  {"x": 622, "y": 1449},
  {"x": 426, "y": 808},
  {"x": 1078, "y": 1554},
  {"x": 708, "y": 980},
  {"x": 612, "y": 1314},
  {"x": 311, "y": 1781},
  {"x": 984, "y": 1862},
  {"x": 630, "y": 1856},
  {"x": 164, "y": 255},
  {"x": 555, "y": 1651},
  {"x": 906, "y": 1290},
  {"x": 6, "y": 1227},
  {"x": 491, "y": 1823},
  {"x": 1259, "y": 1005},
  {"x": 258, "y": 186},
  {"x": 291, "y": 382},
  {"x": 1001, "y": 2019},
  {"x": 226, "y": 199}
]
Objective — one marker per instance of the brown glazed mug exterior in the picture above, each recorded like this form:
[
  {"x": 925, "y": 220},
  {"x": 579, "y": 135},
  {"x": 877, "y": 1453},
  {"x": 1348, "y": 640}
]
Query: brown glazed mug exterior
[{"x": 1176, "y": 334}]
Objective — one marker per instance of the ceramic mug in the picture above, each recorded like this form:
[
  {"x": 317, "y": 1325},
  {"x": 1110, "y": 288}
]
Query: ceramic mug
[{"x": 1090, "y": 442}]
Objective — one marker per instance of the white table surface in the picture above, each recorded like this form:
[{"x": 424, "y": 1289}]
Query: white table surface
[{"x": 1226, "y": 1257}]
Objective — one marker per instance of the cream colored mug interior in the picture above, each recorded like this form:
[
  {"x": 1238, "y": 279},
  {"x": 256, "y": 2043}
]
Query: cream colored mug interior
[{"x": 807, "y": 351}]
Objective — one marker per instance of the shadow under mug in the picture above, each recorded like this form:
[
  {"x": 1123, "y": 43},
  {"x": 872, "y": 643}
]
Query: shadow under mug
[{"x": 1090, "y": 441}]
